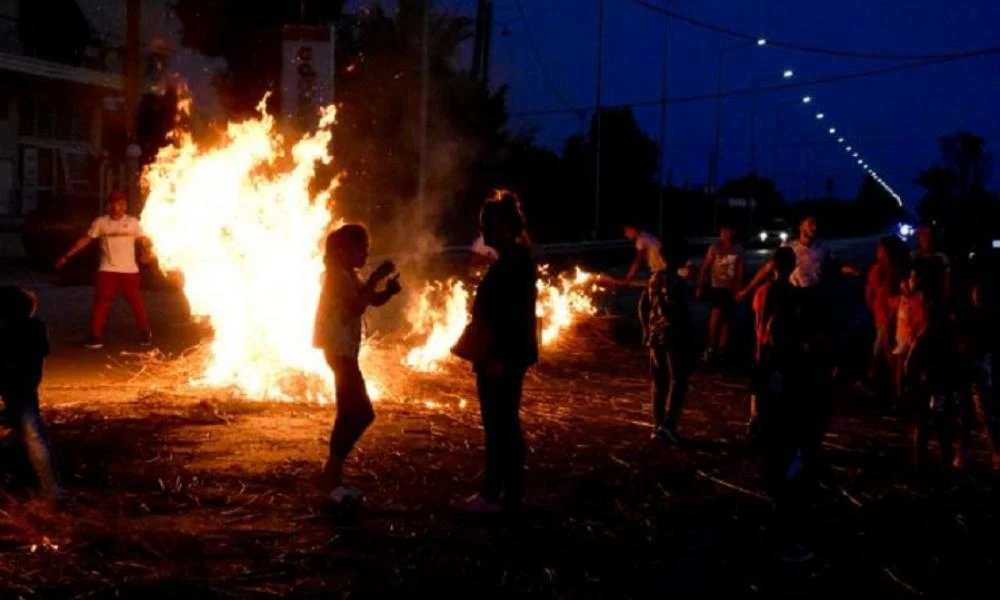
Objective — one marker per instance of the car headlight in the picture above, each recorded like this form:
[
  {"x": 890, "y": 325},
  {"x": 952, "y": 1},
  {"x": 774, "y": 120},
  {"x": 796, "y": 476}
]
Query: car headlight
[
  {"x": 763, "y": 236},
  {"x": 784, "y": 236}
]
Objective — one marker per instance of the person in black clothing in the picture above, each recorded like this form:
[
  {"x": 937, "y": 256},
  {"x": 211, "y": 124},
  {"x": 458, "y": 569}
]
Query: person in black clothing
[
  {"x": 669, "y": 335},
  {"x": 977, "y": 339},
  {"x": 24, "y": 345},
  {"x": 929, "y": 369},
  {"x": 501, "y": 341},
  {"x": 790, "y": 413},
  {"x": 935, "y": 269}
]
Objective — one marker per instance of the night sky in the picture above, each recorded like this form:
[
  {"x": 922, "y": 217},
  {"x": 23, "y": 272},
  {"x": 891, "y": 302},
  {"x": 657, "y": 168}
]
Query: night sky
[{"x": 894, "y": 119}]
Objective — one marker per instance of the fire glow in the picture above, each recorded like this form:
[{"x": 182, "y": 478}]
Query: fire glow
[
  {"x": 238, "y": 221},
  {"x": 442, "y": 311}
]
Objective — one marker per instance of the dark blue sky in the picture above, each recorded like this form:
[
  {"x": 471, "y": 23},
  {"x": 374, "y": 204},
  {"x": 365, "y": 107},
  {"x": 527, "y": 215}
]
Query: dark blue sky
[{"x": 893, "y": 119}]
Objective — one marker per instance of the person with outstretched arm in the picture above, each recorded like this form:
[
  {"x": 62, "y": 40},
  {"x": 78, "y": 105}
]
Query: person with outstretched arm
[{"x": 118, "y": 274}]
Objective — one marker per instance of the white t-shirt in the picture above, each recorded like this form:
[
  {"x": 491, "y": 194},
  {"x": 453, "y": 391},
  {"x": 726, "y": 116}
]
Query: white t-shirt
[
  {"x": 809, "y": 262},
  {"x": 117, "y": 238},
  {"x": 651, "y": 245}
]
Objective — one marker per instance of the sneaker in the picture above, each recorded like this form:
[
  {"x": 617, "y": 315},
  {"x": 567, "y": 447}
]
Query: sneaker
[
  {"x": 146, "y": 339},
  {"x": 796, "y": 553},
  {"x": 666, "y": 435},
  {"x": 477, "y": 504},
  {"x": 93, "y": 343},
  {"x": 345, "y": 494},
  {"x": 795, "y": 466}
]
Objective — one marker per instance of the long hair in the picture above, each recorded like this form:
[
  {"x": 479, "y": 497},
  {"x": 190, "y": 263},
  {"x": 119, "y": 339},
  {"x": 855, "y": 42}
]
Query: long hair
[
  {"x": 503, "y": 208},
  {"x": 899, "y": 261}
]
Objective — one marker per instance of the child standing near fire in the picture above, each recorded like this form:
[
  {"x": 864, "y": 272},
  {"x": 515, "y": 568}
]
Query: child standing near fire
[{"x": 343, "y": 301}]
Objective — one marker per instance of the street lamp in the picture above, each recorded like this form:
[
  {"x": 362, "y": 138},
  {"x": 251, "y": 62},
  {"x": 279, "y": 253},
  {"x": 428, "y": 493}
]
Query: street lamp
[
  {"x": 788, "y": 74},
  {"x": 833, "y": 130},
  {"x": 820, "y": 116},
  {"x": 807, "y": 99},
  {"x": 840, "y": 140},
  {"x": 848, "y": 148},
  {"x": 713, "y": 163}
]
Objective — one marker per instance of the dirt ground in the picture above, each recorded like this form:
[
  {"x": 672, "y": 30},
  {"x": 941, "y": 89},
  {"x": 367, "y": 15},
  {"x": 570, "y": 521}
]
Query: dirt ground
[{"x": 181, "y": 493}]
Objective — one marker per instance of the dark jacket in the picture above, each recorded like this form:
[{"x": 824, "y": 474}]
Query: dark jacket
[
  {"x": 504, "y": 326},
  {"x": 24, "y": 342}
]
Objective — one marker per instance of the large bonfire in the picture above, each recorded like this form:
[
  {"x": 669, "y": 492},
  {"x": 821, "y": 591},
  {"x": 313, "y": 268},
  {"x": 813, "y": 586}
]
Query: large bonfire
[{"x": 237, "y": 219}]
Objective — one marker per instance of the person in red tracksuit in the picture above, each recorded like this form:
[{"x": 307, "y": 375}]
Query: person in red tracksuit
[{"x": 118, "y": 233}]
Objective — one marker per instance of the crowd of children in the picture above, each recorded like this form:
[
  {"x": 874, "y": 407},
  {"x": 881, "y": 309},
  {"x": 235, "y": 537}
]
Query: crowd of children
[{"x": 933, "y": 349}]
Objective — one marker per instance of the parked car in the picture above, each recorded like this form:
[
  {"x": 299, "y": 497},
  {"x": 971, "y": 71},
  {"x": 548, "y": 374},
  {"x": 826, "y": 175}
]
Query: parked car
[{"x": 775, "y": 234}]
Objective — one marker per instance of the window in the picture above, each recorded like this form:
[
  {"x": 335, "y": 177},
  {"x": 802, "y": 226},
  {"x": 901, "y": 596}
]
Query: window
[
  {"x": 81, "y": 124},
  {"x": 44, "y": 120},
  {"x": 26, "y": 124},
  {"x": 63, "y": 127}
]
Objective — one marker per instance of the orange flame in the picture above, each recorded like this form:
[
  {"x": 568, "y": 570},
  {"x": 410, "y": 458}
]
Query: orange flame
[
  {"x": 238, "y": 220},
  {"x": 442, "y": 311}
]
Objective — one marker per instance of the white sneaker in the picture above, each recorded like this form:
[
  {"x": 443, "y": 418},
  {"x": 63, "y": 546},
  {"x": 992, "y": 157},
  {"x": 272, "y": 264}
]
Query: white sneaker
[
  {"x": 345, "y": 494},
  {"x": 795, "y": 554},
  {"x": 479, "y": 505}
]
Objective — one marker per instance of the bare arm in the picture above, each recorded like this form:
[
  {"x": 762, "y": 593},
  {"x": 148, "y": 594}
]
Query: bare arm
[
  {"x": 764, "y": 272},
  {"x": 703, "y": 274},
  {"x": 392, "y": 288},
  {"x": 850, "y": 270},
  {"x": 634, "y": 267},
  {"x": 75, "y": 249}
]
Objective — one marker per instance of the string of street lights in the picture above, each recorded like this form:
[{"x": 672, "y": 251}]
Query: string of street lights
[
  {"x": 841, "y": 140},
  {"x": 856, "y": 155}
]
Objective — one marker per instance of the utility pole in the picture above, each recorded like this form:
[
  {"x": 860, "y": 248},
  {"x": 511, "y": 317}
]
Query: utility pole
[
  {"x": 477, "y": 44},
  {"x": 663, "y": 121},
  {"x": 597, "y": 104},
  {"x": 424, "y": 100},
  {"x": 487, "y": 43},
  {"x": 480, "y": 70},
  {"x": 133, "y": 83}
]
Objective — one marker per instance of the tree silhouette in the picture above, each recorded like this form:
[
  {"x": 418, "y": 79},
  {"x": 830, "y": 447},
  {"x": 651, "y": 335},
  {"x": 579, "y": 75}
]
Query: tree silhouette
[
  {"x": 628, "y": 173},
  {"x": 955, "y": 194},
  {"x": 965, "y": 155}
]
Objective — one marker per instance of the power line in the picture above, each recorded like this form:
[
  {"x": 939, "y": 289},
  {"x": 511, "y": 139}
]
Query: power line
[
  {"x": 772, "y": 88},
  {"x": 801, "y": 47},
  {"x": 538, "y": 57}
]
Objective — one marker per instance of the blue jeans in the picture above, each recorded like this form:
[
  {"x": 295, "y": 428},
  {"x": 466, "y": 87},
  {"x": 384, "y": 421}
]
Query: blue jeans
[{"x": 24, "y": 418}]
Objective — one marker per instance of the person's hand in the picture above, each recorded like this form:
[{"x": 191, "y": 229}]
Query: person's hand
[
  {"x": 382, "y": 271},
  {"x": 61, "y": 262},
  {"x": 392, "y": 287},
  {"x": 741, "y": 295}
]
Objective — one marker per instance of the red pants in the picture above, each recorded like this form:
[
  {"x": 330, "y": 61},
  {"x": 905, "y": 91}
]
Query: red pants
[{"x": 106, "y": 287}]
